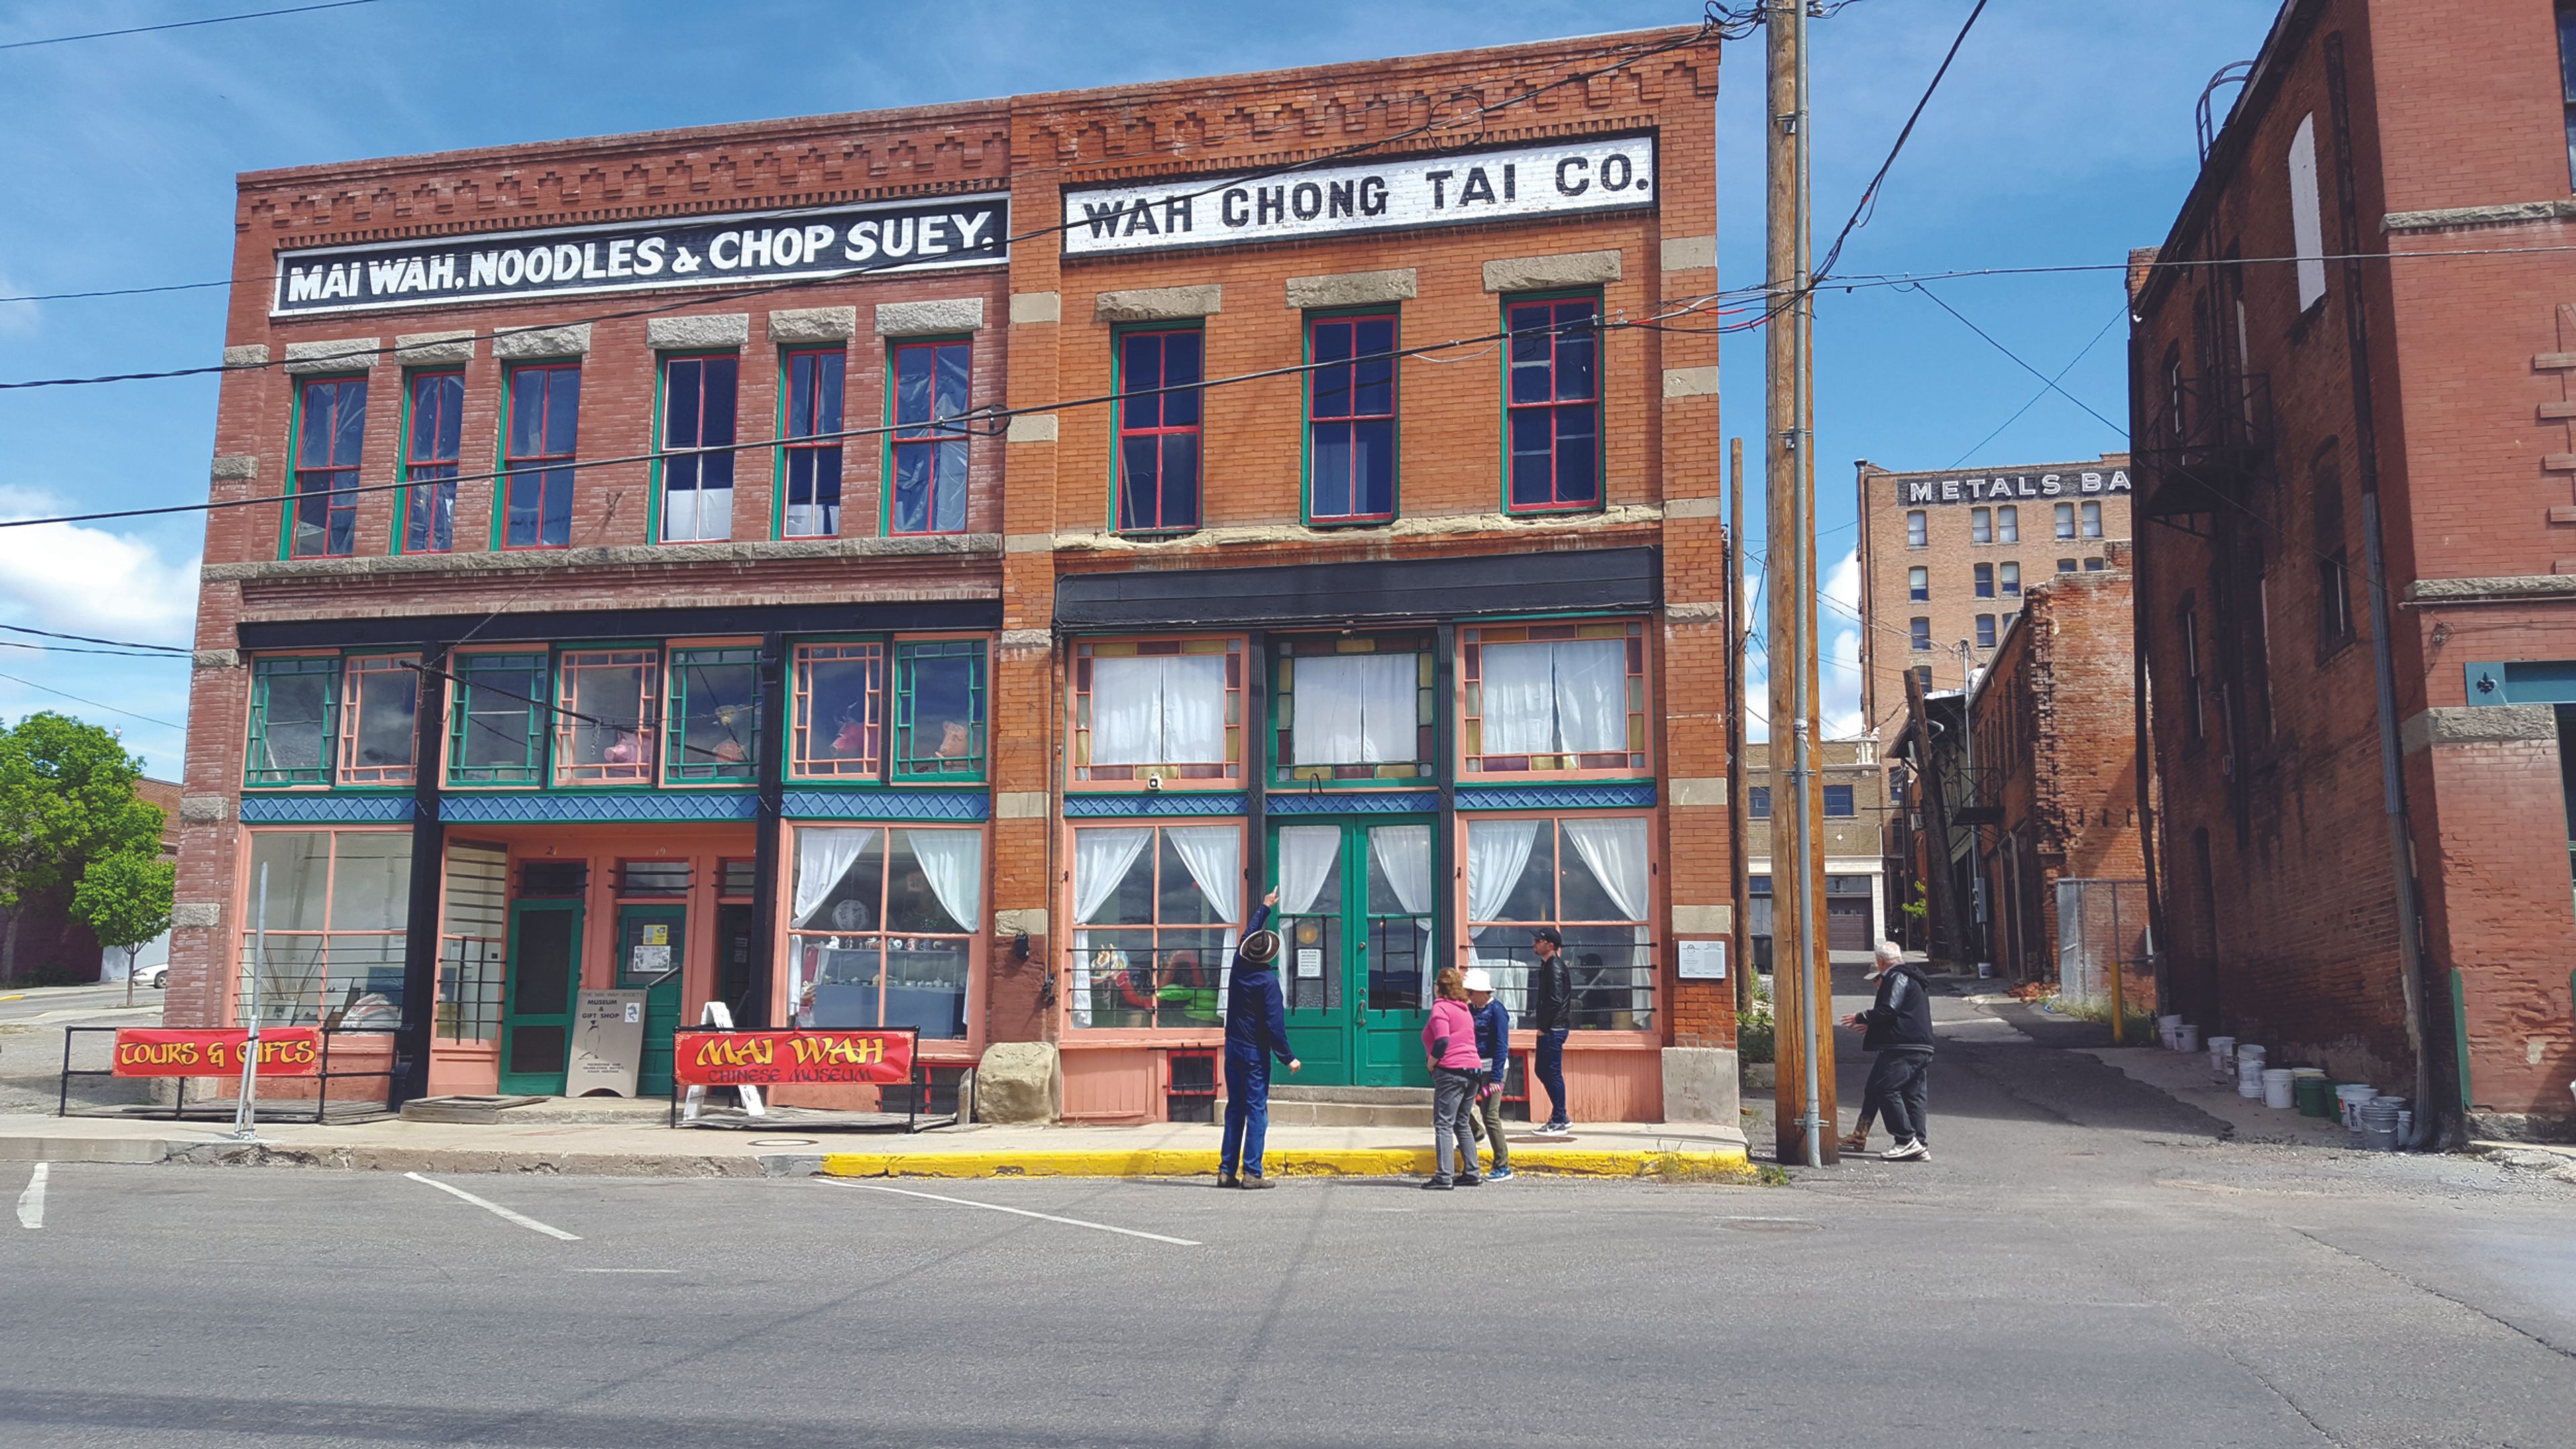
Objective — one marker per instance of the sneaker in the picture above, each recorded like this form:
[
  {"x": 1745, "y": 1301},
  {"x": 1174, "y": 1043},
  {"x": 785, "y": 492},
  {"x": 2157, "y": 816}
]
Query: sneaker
[
  {"x": 1254, "y": 1183},
  {"x": 1499, "y": 1174},
  {"x": 1437, "y": 1184},
  {"x": 1908, "y": 1150},
  {"x": 1554, "y": 1129},
  {"x": 1470, "y": 1180},
  {"x": 1228, "y": 1179}
]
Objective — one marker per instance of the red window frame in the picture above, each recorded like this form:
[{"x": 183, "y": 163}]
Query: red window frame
[
  {"x": 324, "y": 406},
  {"x": 1336, "y": 397},
  {"x": 432, "y": 447},
  {"x": 1148, "y": 405},
  {"x": 814, "y": 446},
  {"x": 701, "y": 403},
  {"x": 1545, "y": 387},
  {"x": 540, "y": 471},
  {"x": 942, "y": 440}
]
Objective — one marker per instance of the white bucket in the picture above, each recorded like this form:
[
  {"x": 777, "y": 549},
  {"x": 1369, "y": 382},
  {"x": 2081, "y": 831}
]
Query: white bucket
[
  {"x": 2279, "y": 1091},
  {"x": 2222, "y": 1057},
  {"x": 2249, "y": 1076},
  {"x": 2249, "y": 1051},
  {"x": 2169, "y": 1031},
  {"x": 2348, "y": 1100},
  {"x": 2186, "y": 1038}
]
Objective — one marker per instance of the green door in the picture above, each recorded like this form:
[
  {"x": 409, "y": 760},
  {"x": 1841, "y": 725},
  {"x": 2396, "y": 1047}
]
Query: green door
[
  {"x": 545, "y": 971},
  {"x": 651, "y": 947},
  {"x": 1356, "y": 922}
]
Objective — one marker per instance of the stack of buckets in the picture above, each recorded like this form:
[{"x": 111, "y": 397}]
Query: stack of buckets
[
  {"x": 2177, "y": 1036},
  {"x": 2382, "y": 1122}
]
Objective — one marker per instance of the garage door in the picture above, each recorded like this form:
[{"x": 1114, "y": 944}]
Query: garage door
[{"x": 1847, "y": 924}]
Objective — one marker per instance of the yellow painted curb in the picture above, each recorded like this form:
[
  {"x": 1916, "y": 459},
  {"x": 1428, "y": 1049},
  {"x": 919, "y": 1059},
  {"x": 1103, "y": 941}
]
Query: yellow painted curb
[{"x": 1281, "y": 1162}]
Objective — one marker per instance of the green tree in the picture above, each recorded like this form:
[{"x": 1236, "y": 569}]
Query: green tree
[
  {"x": 66, "y": 799},
  {"x": 124, "y": 899}
]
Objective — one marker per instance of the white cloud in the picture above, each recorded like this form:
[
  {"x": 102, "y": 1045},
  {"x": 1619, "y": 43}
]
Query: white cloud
[
  {"x": 74, "y": 578},
  {"x": 17, "y": 319},
  {"x": 1838, "y": 628}
]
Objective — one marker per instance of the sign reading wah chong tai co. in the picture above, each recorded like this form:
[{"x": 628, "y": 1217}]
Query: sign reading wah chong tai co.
[
  {"x": 1451, "y": 189},
  {"x": 768, "y": 246}
]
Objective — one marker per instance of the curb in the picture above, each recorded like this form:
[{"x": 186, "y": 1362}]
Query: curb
[{"x": 1721, "y": 1166}]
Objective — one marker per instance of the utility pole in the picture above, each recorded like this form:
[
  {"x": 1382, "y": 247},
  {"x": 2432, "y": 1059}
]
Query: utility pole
[
  {"x": 1801, "y": 976},
  {"x": 1739, "y": 632}
]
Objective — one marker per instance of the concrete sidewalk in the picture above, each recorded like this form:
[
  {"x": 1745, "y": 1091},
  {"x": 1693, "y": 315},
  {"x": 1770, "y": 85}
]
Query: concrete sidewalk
[{"x": 1696, "y": 1151}]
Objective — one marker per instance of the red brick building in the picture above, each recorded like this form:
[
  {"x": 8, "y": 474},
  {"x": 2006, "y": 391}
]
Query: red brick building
[
  {"x": 1159, "y": 496},
  {"x": 2362, "y": 316}
]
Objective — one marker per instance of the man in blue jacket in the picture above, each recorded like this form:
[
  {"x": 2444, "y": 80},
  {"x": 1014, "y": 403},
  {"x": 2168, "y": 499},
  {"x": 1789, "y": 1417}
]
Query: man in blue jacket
[
  {"x": 1494, "y": 1044},
  {"x": 1256, "y": 1029}
]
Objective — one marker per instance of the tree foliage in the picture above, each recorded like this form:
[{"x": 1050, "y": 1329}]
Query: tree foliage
[
  {"x": 66, "y": 799},
  {"x": 124, "y": 899}
]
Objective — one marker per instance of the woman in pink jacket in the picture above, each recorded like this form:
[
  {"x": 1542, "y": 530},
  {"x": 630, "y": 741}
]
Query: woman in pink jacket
[{"x": 1449, "y": 1041}]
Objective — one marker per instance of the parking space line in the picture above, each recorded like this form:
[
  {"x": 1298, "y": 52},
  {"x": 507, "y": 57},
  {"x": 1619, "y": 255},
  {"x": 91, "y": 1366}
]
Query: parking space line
[
  {"x": 1017, "y": 1212},
  {"x": 31, "y": 1203},
  {"x": 522, "y": 1219}
]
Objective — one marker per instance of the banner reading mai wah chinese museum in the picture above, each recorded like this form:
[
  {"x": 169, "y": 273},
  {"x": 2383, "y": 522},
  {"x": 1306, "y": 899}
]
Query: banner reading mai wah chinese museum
[{"x": 791, "y": 1058}]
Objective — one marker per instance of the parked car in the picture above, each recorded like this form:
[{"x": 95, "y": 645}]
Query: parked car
[{"x": 156, "y": 977}]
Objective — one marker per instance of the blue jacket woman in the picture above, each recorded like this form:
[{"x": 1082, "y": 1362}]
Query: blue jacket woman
[{"x": 1256, "y": 1030}]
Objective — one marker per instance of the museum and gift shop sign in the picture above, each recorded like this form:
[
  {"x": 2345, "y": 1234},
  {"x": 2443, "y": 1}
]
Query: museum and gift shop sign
[{"x": 767, "y": 246}]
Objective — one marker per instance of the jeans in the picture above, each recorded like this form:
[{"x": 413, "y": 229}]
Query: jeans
[
  {"x": 1453, "y": 1108},
  {"x": 1551, "y": 1073},
  {"x": 1247, "y": 1115},
  {"x": 1901, "y": 1084},
  {"x": 1493, "y": 1114}
]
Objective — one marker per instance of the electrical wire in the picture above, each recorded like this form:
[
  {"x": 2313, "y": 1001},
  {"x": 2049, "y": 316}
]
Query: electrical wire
[
  {"x": 92, "y": 703},
  {"x": 86, "y": 639},
  {"x": 1869, "y": 194},
  {"x": 184, "y": 24}
]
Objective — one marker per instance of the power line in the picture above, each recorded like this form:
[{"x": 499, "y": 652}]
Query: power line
[
  {"x": 79, "y": 649},
  {"x": 1869, "y": 194},
  {"x": 86, "y": 639},
  {"x": 94, "y": 704},
  {"x": 184, "y": 25},
  {"x": 2047, "y": 384}
]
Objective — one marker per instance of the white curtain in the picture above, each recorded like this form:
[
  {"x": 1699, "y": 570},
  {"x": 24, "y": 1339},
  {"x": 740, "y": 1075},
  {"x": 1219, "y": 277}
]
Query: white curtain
[
  {"x": 1101, "y": 860},
  {"x": 1307, "y": 854},
  {"x": 822, "y": 858},
  {"x": 953, "y": 860},
  {"x": 1404, "y": 853},
  {"x": 1616, "y": 851},
  {"x": 1163, "y": 710},
  {"x": 1214, "y": 855},
  {"x": 1519, "y": 699},
  {"x": 1591, "y": 695},
  {"x": 1497, "y": 852},
  {"x": 1356, "y": 709}
]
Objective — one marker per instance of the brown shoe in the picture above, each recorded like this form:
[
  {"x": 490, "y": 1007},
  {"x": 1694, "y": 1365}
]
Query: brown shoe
[
  {"x": 1856, "y": 1142},
  {"x": 1255, "y": 1182}
]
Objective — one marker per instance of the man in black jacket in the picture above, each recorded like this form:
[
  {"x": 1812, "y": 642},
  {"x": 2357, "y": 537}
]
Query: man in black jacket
[
  {"x": 1898, "y": 1026},
  {"x": 1551, "y": 1011}
]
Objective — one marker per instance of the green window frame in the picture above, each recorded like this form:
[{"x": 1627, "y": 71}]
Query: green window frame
[
  {"x": 266, "y": 675},
  {"x": 952, "y": 742},
  {"x": 513, "y": 685},
  {"x": 1290, "y": 652},
  {"x": 724, "y": 747}
]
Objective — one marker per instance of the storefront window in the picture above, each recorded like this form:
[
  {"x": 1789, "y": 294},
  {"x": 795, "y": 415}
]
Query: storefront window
[
  {"x": 1158, "y": 708},
  {"x": 333, "y": 913},
  {"x": 603, "y": 725},
  {"x": 715, "y": 705},
  {"x": 291, "y": 713},
  {"x": 839, "y": 712},
  {"x": 1156, "y": 917},
  {"x": 882, "y": 927},
  {"x": 384, "y": 705},
  {"x": 473, "y": 941},
  {"x": 939, "y": 709},
  {"x": 1345, "y": 712},
  {"x": 497, "y": 722},
  {"x": 1554, "y": 697},
  {"x": 1590, "y": 878}
]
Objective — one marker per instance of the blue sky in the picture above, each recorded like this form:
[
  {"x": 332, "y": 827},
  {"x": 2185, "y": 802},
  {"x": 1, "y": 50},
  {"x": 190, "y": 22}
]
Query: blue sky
[{"x": 2062, "y": 136}]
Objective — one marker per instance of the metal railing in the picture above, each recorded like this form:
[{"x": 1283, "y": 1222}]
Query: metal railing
[
  {"x": 377, "y": 1105},
  {"x": 2207, "y": 436}
]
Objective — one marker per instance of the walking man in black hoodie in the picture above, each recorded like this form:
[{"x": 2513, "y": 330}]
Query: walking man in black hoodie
[{"x": 1898, "y": 1026}]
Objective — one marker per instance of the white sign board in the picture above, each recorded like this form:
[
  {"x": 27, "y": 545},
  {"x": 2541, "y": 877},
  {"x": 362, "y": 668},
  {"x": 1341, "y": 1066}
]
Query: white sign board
[
  {"x": 1310, "y": 963},
  {"x": 1452, "y": 189},
  {"x": 1703, "y": 960},
  {"x": 607, "y": 1044}
]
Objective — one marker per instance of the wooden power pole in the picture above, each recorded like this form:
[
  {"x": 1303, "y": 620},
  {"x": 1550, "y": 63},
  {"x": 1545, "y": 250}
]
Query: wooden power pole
[
  {"x": 1802, "y": 973},
  {"x": 1739, "y": 631}
]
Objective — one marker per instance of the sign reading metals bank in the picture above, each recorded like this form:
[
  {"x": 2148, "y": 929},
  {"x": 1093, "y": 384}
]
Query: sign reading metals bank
[
  {"x": 1451, "y": 189},
  {"x": 697, "y": 251},
  {"x": 1985, "y": 488}
]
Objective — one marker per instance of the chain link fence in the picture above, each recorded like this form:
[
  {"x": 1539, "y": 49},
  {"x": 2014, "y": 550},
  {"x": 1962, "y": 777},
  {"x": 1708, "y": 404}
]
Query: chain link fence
[{"x": 2102, "y": 927}]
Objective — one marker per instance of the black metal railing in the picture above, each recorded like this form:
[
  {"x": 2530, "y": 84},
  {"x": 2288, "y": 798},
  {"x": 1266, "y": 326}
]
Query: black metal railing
[{"x": 2208, "y": 437}]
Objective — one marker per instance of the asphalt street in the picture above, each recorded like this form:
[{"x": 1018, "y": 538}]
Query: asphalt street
[{"x": 2083, "y": 1262}]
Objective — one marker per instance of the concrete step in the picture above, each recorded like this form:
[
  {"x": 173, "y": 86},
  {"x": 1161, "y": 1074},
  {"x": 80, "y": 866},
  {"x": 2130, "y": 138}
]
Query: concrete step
[
  {"x": 1281, "y": 1091},
  {"x": 1349, "y": 1114}
]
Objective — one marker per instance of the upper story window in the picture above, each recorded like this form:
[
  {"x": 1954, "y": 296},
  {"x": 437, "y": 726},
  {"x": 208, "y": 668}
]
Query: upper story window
[
  {"x": 840, "y": 712},
  {"x": 698, "y": 404},
  {"x": 1838, "y": 803},
  {"x": 1350, "y": 419},
  {"x": 1918, "y": 585},
  {"x": 940, "y": 718},
  {"x": 2307, "y": 218},
  {"x": 604, "y": 720},
  {"x": 544, "y": 436},
  {"x": 1554, "y": 403},
  {"x": 330, "y": 435},
  {"x": 1981, "y": 525},
  {"x": 1554, "y": 697},
  {"x": 1353, "y": 708},
  {"x": 2066, "y": 520},
  {"x": 916, "y": 711},
  {"x": 496, "y": 722},
  {"x": 1923, "y": 675},
  {"x": 2092, "y": 520},
  {"x": 929, "y": 387},
  {"x": 2188, "y": 622},
  {"x": 2066, "y": 566},
  {"x": 1757, "y": 802},
  {"x": 1985, "y": 581},
  {"x": 432, "y": 432},
  {"x": 1918, "y": 529},
  {"x": 2093, "y": 565},
  {"x": 2008, "y": 578},
  {"x": 1158, "y": 429},
  {"x": 379, "y": 719},
  {"x": 810, "y": 503},
  {"x": 715, "y": 710},
  {"x": 2333, "y": 549},
  {"x": 293, "y": 707},
  {"x": 1157, "y": 709},
  {"x": 1919, "y": 636},
  {"x": 2008, "y": 524},
  {"x": 1985, "y": 631}
]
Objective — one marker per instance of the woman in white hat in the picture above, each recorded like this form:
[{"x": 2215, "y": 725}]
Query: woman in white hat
[{"x": 1494, "y": 1044}]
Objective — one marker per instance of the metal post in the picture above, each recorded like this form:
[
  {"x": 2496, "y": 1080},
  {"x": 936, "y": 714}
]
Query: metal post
[{"x": 244, "y": 1111}]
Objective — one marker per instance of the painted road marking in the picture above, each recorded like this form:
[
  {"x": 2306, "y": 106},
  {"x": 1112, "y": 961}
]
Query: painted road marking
[
  {"x": 522, "y": 1219},
  {"x": 31, "y": 1203},
  {"x": 1017, "y": 1212},
  {"x": 622, "y": 1270}
]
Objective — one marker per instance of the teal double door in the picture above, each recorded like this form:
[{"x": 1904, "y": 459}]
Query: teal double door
[
  {"x": 1356, "y": 921},
  {"x": 545, "y": 980}
]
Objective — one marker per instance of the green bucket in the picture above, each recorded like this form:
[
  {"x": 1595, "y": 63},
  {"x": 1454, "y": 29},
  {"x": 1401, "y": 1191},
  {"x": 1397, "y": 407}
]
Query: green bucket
[{"x": 2315, "y": 1097}]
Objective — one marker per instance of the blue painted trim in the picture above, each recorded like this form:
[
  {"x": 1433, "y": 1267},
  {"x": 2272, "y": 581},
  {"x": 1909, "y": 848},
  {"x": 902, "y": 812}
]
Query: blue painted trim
[
  {"x": 672, "y": 806},
  {"x": 326, "y": 809},
  {"x": 2521, "y": 681},
  {"x": 1157, "y": 805},
  {"x": 1557, "y": 797},
  {"x": 1353, "y": 802},
  {"x": 960, "y": 805}
]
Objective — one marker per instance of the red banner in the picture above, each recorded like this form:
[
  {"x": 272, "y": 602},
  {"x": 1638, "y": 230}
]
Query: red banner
[
  {"x": 284, "y": 1051},
  {"x": 774, "y": 1058}
]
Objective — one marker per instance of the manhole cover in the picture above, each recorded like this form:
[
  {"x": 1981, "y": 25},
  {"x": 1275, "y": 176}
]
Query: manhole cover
[
  {"x": 1768, "y": 1225},
  {"x": 784, "y": 1141}
]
